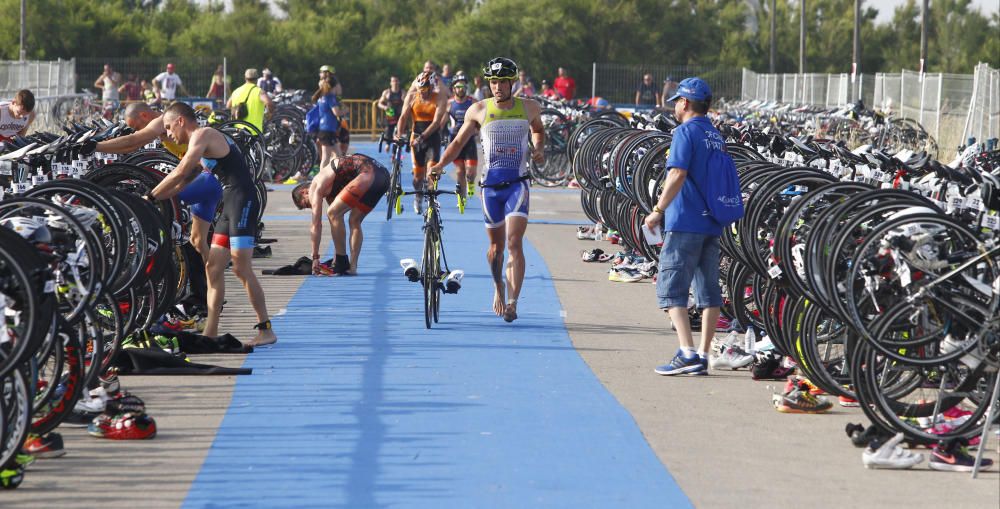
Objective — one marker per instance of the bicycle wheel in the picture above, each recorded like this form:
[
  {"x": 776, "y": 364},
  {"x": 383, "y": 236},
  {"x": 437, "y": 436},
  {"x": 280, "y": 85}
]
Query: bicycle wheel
[
  {"x": 426, "y": 269},
  {"x": 436, "y": 294},
  {"x": 393, "y": 193}
]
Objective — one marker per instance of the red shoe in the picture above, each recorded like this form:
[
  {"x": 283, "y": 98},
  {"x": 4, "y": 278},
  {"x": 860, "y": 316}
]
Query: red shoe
[
  {"x": 848, "y": 402},
  {"x": 123, "y": 427},
  {"x": 49, "y": 446}
]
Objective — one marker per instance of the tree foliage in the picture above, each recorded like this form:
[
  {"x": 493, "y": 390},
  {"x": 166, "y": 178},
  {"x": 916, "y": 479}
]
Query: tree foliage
[{"x": 368, "y": 40}]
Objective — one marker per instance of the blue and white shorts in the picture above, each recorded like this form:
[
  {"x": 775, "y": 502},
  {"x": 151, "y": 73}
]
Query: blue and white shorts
[{"x": 499, "y": 204}]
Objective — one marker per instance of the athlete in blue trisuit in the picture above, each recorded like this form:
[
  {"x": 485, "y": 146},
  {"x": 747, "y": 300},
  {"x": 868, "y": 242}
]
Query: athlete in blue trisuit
[
  {"x": 505, "y": 124},
  {"x": 235, "y": 230},
  {"x": 468, "y": 156}
]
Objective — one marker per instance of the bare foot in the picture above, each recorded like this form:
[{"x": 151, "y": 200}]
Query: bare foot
[
  {"x": 264, "y": 337},
  {"x": 510, "y": 314},
  {"x": 498, "y": 305}
]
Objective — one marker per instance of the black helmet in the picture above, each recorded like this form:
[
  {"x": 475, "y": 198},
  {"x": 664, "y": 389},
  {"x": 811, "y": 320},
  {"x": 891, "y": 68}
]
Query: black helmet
[{"x": 500, "y": 68}]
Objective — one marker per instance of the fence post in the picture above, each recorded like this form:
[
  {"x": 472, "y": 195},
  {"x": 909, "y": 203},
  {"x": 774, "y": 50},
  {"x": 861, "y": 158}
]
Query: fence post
[
  {"x": 593, "y": 81},
  {"x": 937, "y": 126},
  {"x": 225, "y": 79}
]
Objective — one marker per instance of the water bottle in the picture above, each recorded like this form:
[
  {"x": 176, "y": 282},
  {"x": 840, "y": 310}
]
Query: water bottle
[
  {"x": 453, "y": 282},
  {"x": 410, "y": 269}
]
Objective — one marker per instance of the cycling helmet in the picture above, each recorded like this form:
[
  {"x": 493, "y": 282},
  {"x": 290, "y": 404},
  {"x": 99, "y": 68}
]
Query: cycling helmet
[
  {"x": 459, "y": 78},
  {"x": 425, "y": 79},
  {"x": 500, "y": 68},
  {"x": 33, "y": 229}
]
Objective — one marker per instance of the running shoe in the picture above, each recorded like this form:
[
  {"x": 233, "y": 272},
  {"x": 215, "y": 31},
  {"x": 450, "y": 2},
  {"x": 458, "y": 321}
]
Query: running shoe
[
  {"x": 78, "y": 419},
  {"x": 848, "y": 402},
  {"x": 951, "y": 457},
  {"x": 681, "y": 365},
  {"x": 955, "y": 412},
  {"x": 573, "y": 184},
  {"x": 48, "y": 446},
  {"x": 799, "y": 401},
  {"x": 124, "y": 402},
  {"x": 946, "y": 428},
  {"x": 594, "y": 255},
  {"x": 87, "y": 404},
  {"x": 10, "y": 478},
  {"x": 125, "y": 426},
  {"x": 624, "y": 276},
  {"x": 291, "y": 181},
  {"x": 647, "y": 269},
  {"x": 889, "y": 455},
  {"x": 733, "y": 357},
  {"x": 767, "y": 366}
]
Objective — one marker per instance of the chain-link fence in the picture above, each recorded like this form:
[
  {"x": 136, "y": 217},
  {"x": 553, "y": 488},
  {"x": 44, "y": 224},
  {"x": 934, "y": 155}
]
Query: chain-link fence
[
  {"x": 618, "y": 82},
  {"x": 195, "y": 72},
  {"x": 42, "y": 78},
  {"x": 941, "y": 103},
  {"x": 983, "y": 121}
]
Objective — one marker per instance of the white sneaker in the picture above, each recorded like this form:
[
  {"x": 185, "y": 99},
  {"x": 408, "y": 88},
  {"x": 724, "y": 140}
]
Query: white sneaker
[
  {"x": 732, "y": 358},
  {"x": 89, "y": 405},
  {"x": 891, "y": 456}
]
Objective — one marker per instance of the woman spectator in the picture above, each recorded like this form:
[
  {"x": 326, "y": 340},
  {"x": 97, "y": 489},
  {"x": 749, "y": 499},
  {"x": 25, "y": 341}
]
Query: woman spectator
[
  {"x": 217, "y": 89},
  {"x": 329, "y": 122}
]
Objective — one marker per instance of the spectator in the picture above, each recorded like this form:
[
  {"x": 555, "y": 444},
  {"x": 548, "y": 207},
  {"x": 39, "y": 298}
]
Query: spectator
[
  {"x": 669, "y": 89},
  {"x": 549, "y": 92},
  {"x": 646, "y": 95},
  {"x": 690, "y": 252},
  {"x": 329, "y": 74},
  {"x": 482, "y": 91},
  {"x": 108, "y": 82},
  {"x": 17, "y": 115},
  {"x": 598, "y": 103},
  {"x": 167, "y": 83},
  {"x": 131, "y": 89},
  {"x": 269, "y": 83},
  {"x": 523, "y": 86},
  {"x": 249, "y": 102},
  {"x": 328, "y": 107},
  {"x": 217, "y": 88},
  {"x": 565, "y": 85},
  {"x": 446, "y": 76},
  {"x": 148, "y": 94}
]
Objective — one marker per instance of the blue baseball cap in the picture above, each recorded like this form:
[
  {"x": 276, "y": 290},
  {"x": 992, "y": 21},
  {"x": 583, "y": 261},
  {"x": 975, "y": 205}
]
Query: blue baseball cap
[{"x": 692, "y": 88}]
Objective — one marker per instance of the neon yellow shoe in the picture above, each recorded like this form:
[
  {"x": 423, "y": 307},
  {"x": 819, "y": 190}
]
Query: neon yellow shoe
[
  {"x": 461, "y": 199},
  {"x": 291, "y": 181}
]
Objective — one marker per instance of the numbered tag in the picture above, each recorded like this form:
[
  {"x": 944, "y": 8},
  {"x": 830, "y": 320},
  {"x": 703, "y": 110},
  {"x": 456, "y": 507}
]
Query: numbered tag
[
  {"x": 878, "y": 175},
  {"x": 150, "y": 146},
  {"x": 774, "y": 272},
  {"x": 801, "y": 189},
  {"x": 6, "y": 168},
  {"x": 80, "y": 165},
  {"x": 38, "y": 179},
  {"x": 20, "y": 187},
  {"x": 991, "y": 222},
  {"x": 75, "y": 172},
  {"x": 911, "y": 230},
  {"x": 956, "y": 203},
  {"x": 974, "y": 203},
  {"x": 50, "y": 286},
  {"x": 905, "y": 278}
]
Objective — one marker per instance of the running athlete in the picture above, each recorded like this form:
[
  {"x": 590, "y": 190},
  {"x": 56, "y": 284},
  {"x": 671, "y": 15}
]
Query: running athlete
[
  {"x": 17, "y": 115},
  {"x": 351, "y": 183},
  {"x": 391, "y": 103},
  {"x": 427, "y": 108},
  {"x": 465, "y": 163},
  {"x": 236, "y": 228},
  {"x": 505, "y": 124},
  {"x": 202, "y": 194}
]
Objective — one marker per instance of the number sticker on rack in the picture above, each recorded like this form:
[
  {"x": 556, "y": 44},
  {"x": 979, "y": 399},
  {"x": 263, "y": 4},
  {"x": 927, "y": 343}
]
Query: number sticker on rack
[
  {"x": 774, "y": 272},
  {"x": 991, "y": 222},
  {"x": 38, "y": 179},
  {"x": 956, "y": 202},
  {"x": 974, "y": 203},
  {"x": 904, "y": 274},
  {"x": 20, "y": 187}
]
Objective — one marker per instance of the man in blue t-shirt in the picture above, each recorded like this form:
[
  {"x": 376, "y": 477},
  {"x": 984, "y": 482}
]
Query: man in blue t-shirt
[{"x": 690, "y": 251}]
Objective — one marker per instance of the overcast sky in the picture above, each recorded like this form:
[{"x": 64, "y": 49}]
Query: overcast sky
[{"x": 886, "y": 7}]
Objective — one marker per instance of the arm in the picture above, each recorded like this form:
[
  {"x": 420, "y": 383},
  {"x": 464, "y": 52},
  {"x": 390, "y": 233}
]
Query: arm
[
  {"x": 383, "y": 102},
  {"x": 637, "y": 94},
  {"x": 99, "y": 82},
  {"x": 439, "y": 115},
  {"x": 672, "y": 186},
  {"x": 468, "y": 130},
  {"x": 27, "y": 126},
  {"x": 134, "y": 141},
  {"x": 185, "y": 172},
  {"x": 268, "y": 102},
  {"x": 534, "y": 110},
  {"x": 278, "y": 87},
  {"x": 658, "y": 97},
  {"x": 404, "y": 116},
  {"x": 180, "y": 86}
]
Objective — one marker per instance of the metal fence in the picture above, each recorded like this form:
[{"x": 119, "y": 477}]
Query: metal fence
[
  {"x": 827, "y": 90},
  {"x": 42, "y": 78},
  {"x": 940, "y": 102},
  {"x": 618, "y": 82},
  {"x": 195, "y": 72},
  {"x": 983, "y": 121}
]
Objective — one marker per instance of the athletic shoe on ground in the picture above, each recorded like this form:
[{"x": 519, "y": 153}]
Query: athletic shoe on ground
[
  {"x": 847, "y": 402},
  {"x": 78, "y": 419},
  {"x": 124, "y": 402},
  {"x": 799, "y": 401},
  {"x": 681, "y": 365},
  {"x": 624, "y": 276},
  {"x": 889, "y": 455},
  {"x": 125, "y": 426},
  {"x": 291, "y": 181},
  {"x": 767, "y": 366},
  {"x": 732, "y": 358},
  {"x": 573, "y": 184},
  {"x": 951, "y": 457},
  {"x": 592, "y": 256},
  {"x": 954, "y": 413},
  {"x": 945, "y": 428},
  {"x": 585, "y": 232},
  {"x": 89, "y": 405},
  {"x": 647, "y": 269},
  {"x": 261, "y": 252},
  {"x": 48, "y": 446}
]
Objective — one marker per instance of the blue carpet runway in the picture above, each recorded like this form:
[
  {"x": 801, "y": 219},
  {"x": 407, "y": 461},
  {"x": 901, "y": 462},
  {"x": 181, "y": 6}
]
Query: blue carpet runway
[{"x": 360, "y": 406}]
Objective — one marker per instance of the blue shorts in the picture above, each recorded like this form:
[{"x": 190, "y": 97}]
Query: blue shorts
[
  {"x": 498, "y": 204},
  {"x": 203, "y": 195},
  {"x": 688, "y": 258}
]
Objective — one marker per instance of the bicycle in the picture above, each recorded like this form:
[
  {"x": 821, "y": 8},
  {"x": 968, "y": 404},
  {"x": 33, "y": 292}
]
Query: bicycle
[
  {"x": 393, "y": 198},
  {"x": 431, "y": 275}
]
